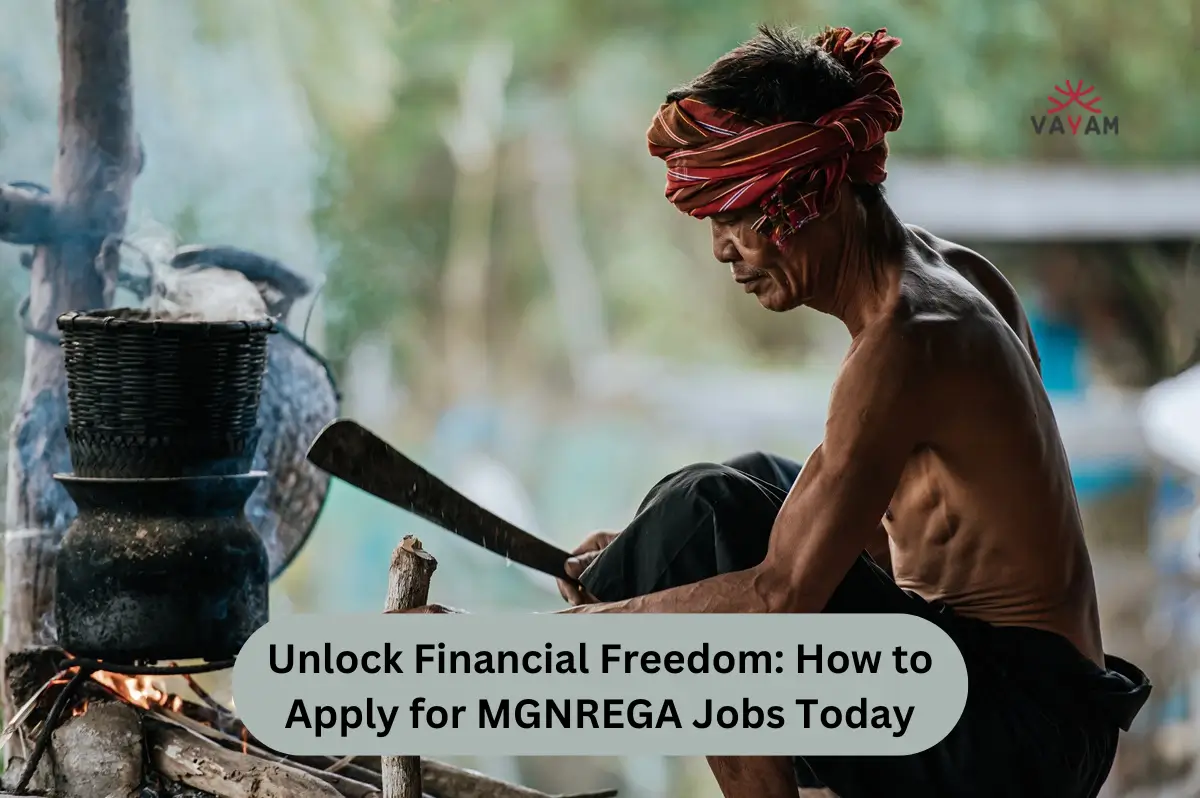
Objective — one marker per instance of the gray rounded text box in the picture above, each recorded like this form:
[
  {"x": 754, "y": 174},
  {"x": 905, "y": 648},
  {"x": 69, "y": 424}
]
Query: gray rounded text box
[{"x": 600, "y": 685}]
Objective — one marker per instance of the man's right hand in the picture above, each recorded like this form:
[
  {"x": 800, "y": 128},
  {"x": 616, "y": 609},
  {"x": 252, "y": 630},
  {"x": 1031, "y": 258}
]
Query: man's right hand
[{"x": 581, "y": 558}]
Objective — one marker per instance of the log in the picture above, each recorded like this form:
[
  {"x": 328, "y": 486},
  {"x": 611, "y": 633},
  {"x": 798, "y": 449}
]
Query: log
[
  {"x": 328, "y": 764},
  {"x": 180, "y": 756},
  {"x": 361, "y": 777},
  {"x": 343, "y": 783},
  {"x": 408, "y": 587},
  {"x": 447, "y": 781},
  {"x": 443, "y": 780},
  {"x": 98, "y": 159}
]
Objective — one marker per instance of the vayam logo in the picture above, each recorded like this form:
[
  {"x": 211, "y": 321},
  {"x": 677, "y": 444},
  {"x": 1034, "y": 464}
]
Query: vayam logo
[{"x": 1090, "y": 119}]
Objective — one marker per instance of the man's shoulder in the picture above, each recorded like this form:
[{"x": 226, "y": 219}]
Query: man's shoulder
[
  {"x": 941, "y": 325},
  {"x": 980, "y": 271},
  {"x": 934, "y": 363},
  {"x": 936, "y": 302},
  {"x": 985, "y": 278},
  {"x": 943, "y": 246}
]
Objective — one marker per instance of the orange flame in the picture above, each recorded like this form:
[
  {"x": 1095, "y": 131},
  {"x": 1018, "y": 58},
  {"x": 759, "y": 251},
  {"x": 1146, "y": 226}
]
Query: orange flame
[{"x": 138, "y": 690}]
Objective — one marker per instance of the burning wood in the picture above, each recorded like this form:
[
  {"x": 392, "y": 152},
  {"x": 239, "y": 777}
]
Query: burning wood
[
  {"x": 121, "y": 725},
  {"x": 116, "y": 717}
]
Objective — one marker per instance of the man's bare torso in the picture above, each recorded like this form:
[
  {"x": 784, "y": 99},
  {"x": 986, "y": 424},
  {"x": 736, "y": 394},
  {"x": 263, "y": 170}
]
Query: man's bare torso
[{"x": 985, "y": 516}]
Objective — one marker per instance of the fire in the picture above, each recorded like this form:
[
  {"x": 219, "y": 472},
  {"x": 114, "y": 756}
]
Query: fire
[{"x": 138, "y": 690}]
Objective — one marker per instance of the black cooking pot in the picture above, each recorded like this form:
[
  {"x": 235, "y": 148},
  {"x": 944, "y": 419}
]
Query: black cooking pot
[{"x": 160, "y": 569}]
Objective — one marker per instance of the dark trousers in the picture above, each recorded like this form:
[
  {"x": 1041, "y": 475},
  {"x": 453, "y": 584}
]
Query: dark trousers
[{"x": 1040, "y": 719}]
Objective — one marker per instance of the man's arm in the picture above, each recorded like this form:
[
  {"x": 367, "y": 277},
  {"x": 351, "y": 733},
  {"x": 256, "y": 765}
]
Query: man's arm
[{"x": 878, "y": 416}]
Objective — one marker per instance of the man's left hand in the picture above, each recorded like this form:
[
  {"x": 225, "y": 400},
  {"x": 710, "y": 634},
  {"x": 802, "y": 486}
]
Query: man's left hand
[{"x": 428, "y": 609}]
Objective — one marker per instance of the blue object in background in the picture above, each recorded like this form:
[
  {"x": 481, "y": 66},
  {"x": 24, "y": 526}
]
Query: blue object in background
[
  {"x": 1061, "y": 348},
  {"x": 1064, "y": 373}
]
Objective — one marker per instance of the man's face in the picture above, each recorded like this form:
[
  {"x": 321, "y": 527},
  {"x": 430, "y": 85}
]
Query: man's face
[
  {"x": 780, "y": 279},
  {"x": 755, "y": 263}
]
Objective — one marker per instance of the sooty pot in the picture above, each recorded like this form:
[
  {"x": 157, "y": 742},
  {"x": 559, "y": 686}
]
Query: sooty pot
[{"x": 160, "y": 569}]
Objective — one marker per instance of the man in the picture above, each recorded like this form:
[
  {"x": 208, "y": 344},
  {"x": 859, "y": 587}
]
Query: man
[{"x": 941, "y": 487}]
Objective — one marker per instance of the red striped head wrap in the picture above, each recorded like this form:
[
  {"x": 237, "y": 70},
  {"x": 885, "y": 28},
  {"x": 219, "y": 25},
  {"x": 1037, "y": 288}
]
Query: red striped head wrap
[{"x": 718, "y": 161}]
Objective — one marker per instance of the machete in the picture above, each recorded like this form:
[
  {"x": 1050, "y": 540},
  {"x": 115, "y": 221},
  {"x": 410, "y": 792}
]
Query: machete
[{"x": 354, "y": 454}]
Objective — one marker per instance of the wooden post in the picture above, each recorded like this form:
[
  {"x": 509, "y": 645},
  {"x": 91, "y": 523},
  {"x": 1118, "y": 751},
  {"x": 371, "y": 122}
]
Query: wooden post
[
  {"x": 408, "y": 587},
  {"x": 98, "y": 159}
]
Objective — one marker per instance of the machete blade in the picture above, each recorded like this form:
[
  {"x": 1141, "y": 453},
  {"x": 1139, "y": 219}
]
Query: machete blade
[{"x": 347, "y": 450}]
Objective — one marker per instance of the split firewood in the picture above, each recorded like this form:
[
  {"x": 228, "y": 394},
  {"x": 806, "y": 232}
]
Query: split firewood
[
  {"x": 344, "y": 783},
  {"x": 180, "y": 756},
  {"x": 439, "y": 779},
  {"x": 326, "y": 764},
  {"x": 408, "y": 587}
]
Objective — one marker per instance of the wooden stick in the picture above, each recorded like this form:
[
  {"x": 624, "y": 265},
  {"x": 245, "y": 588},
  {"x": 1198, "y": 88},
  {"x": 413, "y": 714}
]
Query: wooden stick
[
  {"x": 323, "y": 764},
  {"x": 441, "y": 780},
  {"x": 179, "y": 756},
  {"x": 408, "y": 587},
  {"x": 343, "y": 783},
  {"x": 26, "y": 217},
  {"x": 448, "y": 781},
  {"x": 361, "y": 778}
]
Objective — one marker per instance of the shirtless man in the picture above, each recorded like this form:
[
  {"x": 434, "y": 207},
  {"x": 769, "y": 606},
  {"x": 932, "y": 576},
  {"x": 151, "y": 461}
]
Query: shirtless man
[{"x": 941, "y": 487}]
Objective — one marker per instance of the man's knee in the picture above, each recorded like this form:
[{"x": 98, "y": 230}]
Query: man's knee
[
  {"x": 704, "y": 497},
  {"x": 780, "y": 472},
  {"x": 713, "y": 496},
  {"x": 701, "y": 520}
]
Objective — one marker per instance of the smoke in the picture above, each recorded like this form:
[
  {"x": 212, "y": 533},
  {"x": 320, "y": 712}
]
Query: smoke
[
  {"x": 231, "y": 142},
  {"x": 207, "y": 294},
  {"x": 198, "y": 293}
]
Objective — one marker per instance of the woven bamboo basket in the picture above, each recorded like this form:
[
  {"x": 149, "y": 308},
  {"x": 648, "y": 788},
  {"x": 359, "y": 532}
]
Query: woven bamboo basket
[{"x": 156, "y": 397}]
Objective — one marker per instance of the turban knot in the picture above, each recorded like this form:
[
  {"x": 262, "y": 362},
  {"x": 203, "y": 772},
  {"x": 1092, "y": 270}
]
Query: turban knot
[{"x": 719, "y": 161}]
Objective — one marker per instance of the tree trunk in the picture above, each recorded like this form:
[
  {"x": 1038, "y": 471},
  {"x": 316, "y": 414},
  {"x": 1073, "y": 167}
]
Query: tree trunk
[{"x": 93, "y": 177}]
